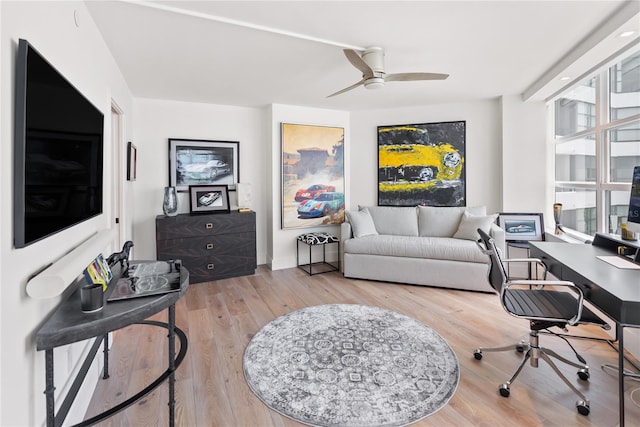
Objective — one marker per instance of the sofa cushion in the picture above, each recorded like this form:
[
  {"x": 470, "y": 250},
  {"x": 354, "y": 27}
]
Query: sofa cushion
[
  {"x": 444, "y": 248},
  {"x": 441, "y": 221},
  {"x": 361, "y": 222},
  {"x": 469, "y": 224},
  {"x": 393, "y": 220}
]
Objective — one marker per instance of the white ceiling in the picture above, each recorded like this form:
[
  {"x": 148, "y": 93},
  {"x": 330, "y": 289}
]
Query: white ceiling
[{"x": 489, "y": 48}]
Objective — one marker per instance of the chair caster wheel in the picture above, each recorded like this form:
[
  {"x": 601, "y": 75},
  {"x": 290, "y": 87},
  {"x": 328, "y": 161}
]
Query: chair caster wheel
[
  {"x": 504, "y": 390},
  {"x": 583, "y": 374},
  {"x": 477, "y": 354},
  {"x": 583, "y": 407},
  {"x": 520, "y": 348}
]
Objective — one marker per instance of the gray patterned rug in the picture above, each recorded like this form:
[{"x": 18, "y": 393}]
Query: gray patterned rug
[{"x": 351, "y": 365}]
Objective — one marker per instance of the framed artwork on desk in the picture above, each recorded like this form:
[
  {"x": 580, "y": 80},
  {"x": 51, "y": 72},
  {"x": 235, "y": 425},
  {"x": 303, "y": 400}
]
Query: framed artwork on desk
[
  {"x": 208, "y": 199},
  {"x": 522, "y": 227}
]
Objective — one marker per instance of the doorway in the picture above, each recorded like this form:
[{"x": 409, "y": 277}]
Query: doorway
[{"x": 117, "y": 189}]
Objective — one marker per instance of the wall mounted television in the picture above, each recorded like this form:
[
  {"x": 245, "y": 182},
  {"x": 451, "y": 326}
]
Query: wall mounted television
[
  {"x": 58, "y": 151},
  {"x": 633, "y": 218}
]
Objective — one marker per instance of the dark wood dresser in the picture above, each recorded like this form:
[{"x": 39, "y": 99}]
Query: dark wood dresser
[{"x": 212, "y": 247}]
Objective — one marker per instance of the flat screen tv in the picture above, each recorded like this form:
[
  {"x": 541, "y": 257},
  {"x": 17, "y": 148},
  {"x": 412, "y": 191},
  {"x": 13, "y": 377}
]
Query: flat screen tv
[
  {"x": 633, "y": 218},
  {"x": 58, "y": 151}
]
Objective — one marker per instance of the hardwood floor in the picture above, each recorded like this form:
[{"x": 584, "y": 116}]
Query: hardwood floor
[{"x": 221, "y": 317}]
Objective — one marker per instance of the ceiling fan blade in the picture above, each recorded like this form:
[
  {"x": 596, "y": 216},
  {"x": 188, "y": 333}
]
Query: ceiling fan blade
[
  {"x": 357, "y": 61},
  {"x": 407, "y": 77},
  {"x": 346, "y": 89}
]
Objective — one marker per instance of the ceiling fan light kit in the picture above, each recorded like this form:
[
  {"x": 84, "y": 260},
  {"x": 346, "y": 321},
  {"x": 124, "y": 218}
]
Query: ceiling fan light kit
[
  {"x": 374, "y": 83},
  {"x": 371, "y": 64}
]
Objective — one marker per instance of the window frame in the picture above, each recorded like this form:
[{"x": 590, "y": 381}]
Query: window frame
[{"x": 602, "y": 130}]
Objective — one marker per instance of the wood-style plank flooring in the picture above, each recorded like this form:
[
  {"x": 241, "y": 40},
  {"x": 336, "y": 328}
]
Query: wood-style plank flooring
[{"x": 221, "y": 317}]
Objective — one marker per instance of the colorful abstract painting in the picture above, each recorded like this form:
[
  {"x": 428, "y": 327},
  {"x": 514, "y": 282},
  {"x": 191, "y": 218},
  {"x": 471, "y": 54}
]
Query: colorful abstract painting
[
  {"x": 422, "y": 164},
  {"x": 312, "y": 175}
]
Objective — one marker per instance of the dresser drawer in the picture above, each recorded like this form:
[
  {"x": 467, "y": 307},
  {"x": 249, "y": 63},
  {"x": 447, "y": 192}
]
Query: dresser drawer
[
  {"x": 205, "y": 269},
  {"x": 194, "y": 247},
  {"x": 204, "y": 225}
]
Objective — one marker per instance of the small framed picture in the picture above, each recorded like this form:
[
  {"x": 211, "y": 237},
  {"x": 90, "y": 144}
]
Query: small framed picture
[
  {"x": 209, "y": 199},
  {"x": 132, "y": 160},
  {"x": 522, "y": 227}
]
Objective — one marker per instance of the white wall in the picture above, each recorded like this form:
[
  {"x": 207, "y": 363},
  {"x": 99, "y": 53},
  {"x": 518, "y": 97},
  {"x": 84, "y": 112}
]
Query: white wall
[
  {"x": 524, "y": 157},
  {"x": 156, "y": 122},
  {"x": 281, "y": 252},
  {"x": 482, "y": 157},
  {"x": 80, "y": 54}
]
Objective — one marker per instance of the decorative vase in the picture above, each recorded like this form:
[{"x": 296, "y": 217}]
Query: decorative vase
[
  {"x": 170, "y": 202},
  {"x": 557, "y": 216}
]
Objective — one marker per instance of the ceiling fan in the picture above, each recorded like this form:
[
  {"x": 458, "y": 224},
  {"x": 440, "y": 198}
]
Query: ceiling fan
[{"x": 371, "y": 63}]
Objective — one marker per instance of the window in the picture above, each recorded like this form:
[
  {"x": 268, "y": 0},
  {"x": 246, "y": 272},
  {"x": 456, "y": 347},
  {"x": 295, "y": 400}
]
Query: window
[{"x": 597, "y": 144}]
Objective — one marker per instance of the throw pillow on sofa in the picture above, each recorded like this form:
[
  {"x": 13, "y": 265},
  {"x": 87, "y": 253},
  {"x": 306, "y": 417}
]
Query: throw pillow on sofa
[
  {"x": 361, "y": 223},
  {"x": 394, "y": 220},
  {"x": 443, "y": 221},
  {"x": 469, "y": 224}
]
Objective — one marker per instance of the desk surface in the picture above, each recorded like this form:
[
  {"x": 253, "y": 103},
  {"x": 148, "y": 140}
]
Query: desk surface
[
  {"x": 69, "y": 324},
  {"x": 613, "y": 290}
]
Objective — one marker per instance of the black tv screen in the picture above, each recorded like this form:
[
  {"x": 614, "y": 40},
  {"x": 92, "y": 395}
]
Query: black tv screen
[
  {"x": 58, "y": 151},
  {"x": 633, "y": 219}
]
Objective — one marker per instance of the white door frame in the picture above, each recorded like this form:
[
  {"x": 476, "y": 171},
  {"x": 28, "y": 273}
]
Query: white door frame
[{"x": 117, "y": 191}]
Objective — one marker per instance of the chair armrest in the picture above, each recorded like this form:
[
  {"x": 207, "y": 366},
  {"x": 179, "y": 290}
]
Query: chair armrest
[
  {"x": 536, "y": 261},
  {"x": 525, "y": 282}
]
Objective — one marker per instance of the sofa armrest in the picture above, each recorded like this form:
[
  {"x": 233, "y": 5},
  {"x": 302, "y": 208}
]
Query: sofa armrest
[
  {"x": 345, "y": 231},
  {"x": 497, "y": 234}
]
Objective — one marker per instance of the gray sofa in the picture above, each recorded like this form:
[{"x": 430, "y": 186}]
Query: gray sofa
[{"x": 424, "y": 245}]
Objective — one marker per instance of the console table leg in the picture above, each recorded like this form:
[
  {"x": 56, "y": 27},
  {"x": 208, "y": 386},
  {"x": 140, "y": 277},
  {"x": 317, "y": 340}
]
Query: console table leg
[
  {"x": 49, "y": 387},
  {"x": 172, "y": 367},
  {"x": 105, "y": 351}
]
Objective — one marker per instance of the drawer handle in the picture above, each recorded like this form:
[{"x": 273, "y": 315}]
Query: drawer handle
[
  {"x": 210, "y": 266},
  {"x": 208, "y": 225},
  {"x": 209, "y": 246}
]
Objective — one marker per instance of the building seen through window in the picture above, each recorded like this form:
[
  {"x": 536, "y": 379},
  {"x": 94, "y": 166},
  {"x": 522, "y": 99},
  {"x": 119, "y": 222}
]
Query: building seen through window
[{"x": 595, "y": 155}]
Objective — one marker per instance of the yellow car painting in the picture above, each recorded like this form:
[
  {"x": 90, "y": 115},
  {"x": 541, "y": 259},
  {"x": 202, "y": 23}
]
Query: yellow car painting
[{"x": 417, "y": 166}]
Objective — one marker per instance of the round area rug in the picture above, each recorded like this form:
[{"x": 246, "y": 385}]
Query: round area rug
[{"x": 351, "y": 365}]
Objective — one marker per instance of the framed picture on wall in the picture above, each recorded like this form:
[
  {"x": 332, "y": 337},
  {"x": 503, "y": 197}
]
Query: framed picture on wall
[
  {"x": 312, "y": 175},
  {"x": 422, "y": 164},
  {"x": 201, "y": 162},
  {"x": 132, "y": 161}
]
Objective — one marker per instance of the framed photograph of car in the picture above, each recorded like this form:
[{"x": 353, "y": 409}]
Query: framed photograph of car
[
  {"x": 312, "y": 175},
  {"x": 522, "y": 227},
  {"x": 202, "y": 162},
  {"x": 208, "y": 199}
]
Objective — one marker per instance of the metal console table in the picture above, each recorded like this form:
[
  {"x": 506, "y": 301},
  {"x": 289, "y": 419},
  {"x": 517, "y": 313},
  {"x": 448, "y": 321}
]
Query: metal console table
[{"x": 68, "y": 324}]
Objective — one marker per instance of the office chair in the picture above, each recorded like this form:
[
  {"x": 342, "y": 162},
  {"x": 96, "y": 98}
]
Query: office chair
[{"x": 543, "y": 308}]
